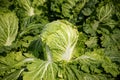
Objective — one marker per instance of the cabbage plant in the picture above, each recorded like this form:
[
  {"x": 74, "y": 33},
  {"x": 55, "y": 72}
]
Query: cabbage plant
[
  {"x": 60, "y": 38},
  {"x": 59, "y": 42},
  {"x": 8, "y": 28}
]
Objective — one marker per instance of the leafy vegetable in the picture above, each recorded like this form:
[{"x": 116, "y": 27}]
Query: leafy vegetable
[
  {"x": 59, "y": 39},
  {"x": 12, "y": 65},
  {"x": 8, "y": 28}
]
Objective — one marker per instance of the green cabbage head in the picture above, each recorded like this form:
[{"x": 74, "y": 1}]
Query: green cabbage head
[
  {"x": 60, "y": 38},
  {"x": 8, "y": 28}
]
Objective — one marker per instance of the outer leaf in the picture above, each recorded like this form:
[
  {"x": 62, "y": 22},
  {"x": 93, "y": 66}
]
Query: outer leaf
[
  {"x": 5, "y": 3},
  {"x": 14, "y": 75},
  {"x": 86, "y": 11},
  {"x": 11, "y": 62},
  {"x": 60, "y": 38},
  {"x": 94, "y": 61},
  {"x": 113, "y": 40},
  {"x": 105, "y": 12},
  {"x": 36, "y": 47},
  {"x": 41, "y": 70},
  {"x": 95, "y": 77},
  {"x": 92, "y": 42},
  {"x": 8, "y": 28}
]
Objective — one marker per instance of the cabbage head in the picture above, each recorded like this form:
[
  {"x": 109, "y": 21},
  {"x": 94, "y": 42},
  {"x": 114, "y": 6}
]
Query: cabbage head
[
  {"x": 8, "y": 28},
  {"x": 60, "y": 38}
]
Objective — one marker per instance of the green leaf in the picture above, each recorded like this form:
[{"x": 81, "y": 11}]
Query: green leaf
[
  {"x": 90, "y": 27},
  {"x": 6, "y": 3},
  {"x": 41, "y": 70},
  {"x": 111, "y": 39},
  {"x": 86, "y": 11},
  {"x": 91, "y": 42},
  {"x": 94, "y": 61},
  {"x": 105, "y": 12},
  {"x": 111, "y": 68},
  {"x": 14, "y": 75},
  {"x": 95, "y": 77},
  {"x": 8, "y": 28},
  {"x": 12, "y": 61},
  {"x": 36, "y": 47}
]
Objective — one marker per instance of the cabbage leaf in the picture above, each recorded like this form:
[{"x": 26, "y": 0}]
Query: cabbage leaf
[{"x": 41, "y": 70}]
